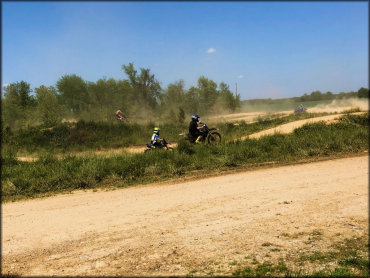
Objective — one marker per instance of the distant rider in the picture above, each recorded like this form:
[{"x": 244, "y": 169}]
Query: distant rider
[
  {"x": 301, "y": 108},
  {"x": 119, "y": 115},
  {"x": 194, "y": 129},
  {"x": 156, "y": 141}
]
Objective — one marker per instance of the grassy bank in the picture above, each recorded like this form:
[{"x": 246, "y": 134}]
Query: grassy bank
[
  {"x": 49, "y": 175},
  {"x": 84, "y": 136}
]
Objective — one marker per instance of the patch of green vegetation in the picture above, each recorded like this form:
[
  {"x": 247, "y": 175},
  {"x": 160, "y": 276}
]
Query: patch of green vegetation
[
  {"x": 266, "y": 268},
  {"x": 348, "y": 258},
  {"x": 297, "y": 235},
  {"x": 67, "y": 137},
  {"x": 50, "y": 175},
  {"x": 90, "y": 135},
  {"x": 316, "y": 233},
  {"x": 355, "y": 261},
  {"x": 314, "y": 236},
  {"x": 266, "y": 244},
  {"x": 352, "y": 110},
  {"x": 191, "y": 273},
  {"x": 245, "y": 272},
  {"x": 318, "y": 257},
  {"x": 337, "y": 272}
]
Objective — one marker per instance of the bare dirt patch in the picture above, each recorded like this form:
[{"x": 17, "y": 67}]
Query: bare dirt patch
[
  {"x": 197, "y": 227},
  {"x": 248, "y": 117},
  {"x": 289, "y": 127},
  {"x": 335, "y": 106}
]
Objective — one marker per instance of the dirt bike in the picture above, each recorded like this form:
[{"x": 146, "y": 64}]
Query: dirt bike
[
  {"x": 209, "y": 135},
  {"x": 164, "y": 146},
  {"x": 300, "y": 110},
  {"x": 122, "y": 118}
]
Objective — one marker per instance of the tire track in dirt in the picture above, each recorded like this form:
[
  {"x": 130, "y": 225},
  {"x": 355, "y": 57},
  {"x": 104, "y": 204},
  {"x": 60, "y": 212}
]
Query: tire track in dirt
[
  {"x": 290, "y": 127},
  {"x": 206, "y": 224}
]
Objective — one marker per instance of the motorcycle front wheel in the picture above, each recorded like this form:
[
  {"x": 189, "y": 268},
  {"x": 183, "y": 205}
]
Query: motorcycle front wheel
[{"x": 214, "y": 137}]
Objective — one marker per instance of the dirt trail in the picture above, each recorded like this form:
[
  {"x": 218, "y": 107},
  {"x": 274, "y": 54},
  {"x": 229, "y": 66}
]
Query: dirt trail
[
  {"x": 103, "y": 153},
  {"x": 248, "y": 117},
  {"x": 286, "y": 128},
  {"x": 172, "y": 229},
  {"x": 289, "y": 127}
]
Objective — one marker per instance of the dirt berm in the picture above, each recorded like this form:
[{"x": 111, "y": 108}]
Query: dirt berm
[{"x": 189, "y": 227}]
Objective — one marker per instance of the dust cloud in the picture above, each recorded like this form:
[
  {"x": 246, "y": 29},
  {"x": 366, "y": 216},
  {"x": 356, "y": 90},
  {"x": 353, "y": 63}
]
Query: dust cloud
[{"x": 340, "y": 105}]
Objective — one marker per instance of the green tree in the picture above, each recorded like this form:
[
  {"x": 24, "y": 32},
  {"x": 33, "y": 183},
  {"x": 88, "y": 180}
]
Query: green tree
[
  {"x": 316, "y": 95},
  {"x": 19, "y": 93},
  {"x": 207, "y": 94},
  {"x": 174, "y": 95},
  {"x": 181, "y": 115},
  {"x": 103, "y": 99},
  {"x": 124, "y": 96},
  {"x": 363, "y": 93},
  {"x": 226, "y": 100},
  {"x": 49, "y": 109},
  {"x": 12, "y": 114},
  {"x": 17, "y": 106},
  {"x": 303, "y": 98},
  {"x": 192, "y": 101},
  {"x": 329, "y": 95},
  {"x": 73, "y": 92},
  {"x": 145, "y": 86},
  {"x": 172, "y": 116}
]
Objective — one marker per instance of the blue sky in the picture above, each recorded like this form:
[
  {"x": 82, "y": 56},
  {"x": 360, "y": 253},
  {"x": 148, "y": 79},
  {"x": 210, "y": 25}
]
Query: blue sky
[{"x": 270, "y": 49}]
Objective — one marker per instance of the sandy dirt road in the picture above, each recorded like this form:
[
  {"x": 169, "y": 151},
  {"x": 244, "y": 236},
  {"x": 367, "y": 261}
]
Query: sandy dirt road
[
  {"x": 335, "y": 106},
  {"x": 248, "y": 117},
  {"x": 290, "y": 127},
  {"x": 203, "y": 225}
]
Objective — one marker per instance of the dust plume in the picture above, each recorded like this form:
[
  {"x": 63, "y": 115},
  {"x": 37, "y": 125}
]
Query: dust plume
[{"x": 340, "y": 105}]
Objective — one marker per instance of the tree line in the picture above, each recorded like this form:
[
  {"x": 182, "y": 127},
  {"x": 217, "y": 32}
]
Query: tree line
[
  {"x": 140, "y": 97},
  {"x": 314, "y": 96}
]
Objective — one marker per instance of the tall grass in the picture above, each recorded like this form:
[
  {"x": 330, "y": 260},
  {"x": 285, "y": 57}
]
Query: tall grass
[
  {"x": 80, "y": 136},
  {"x": 48, "y": 174},
  {"x": 84, "y": 136}
]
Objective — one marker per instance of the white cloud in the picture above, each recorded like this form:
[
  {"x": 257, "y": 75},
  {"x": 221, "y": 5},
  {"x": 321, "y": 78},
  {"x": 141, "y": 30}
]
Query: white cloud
[
  {"x": 211, "y": 50},
  {"x": 240, "y": 76}
]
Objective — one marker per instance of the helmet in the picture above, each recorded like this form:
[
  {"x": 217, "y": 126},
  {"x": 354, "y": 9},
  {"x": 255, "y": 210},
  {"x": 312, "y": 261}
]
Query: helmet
[
  {"x": 195, "y": 117},
  {"x": 157, "y": 130}
]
